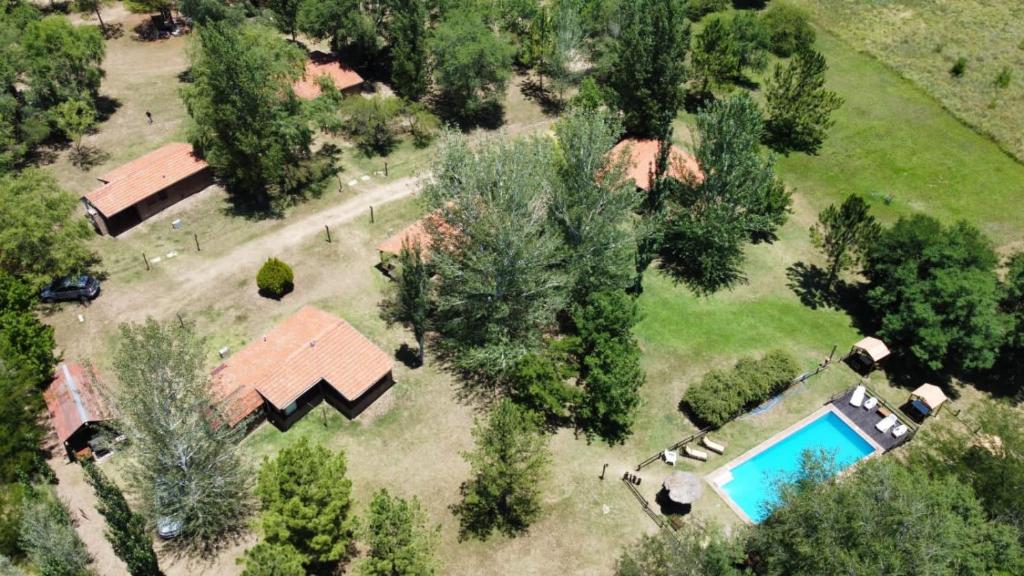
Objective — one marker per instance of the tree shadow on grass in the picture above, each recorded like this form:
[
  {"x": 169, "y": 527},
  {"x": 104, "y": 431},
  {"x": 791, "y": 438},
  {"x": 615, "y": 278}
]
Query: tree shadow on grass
[
  {"x": 550, "y": 104},
  {"x": 86, "y": 157},
  {"x": 810, "y": 284},
  {"x": 408, "y": 356}
]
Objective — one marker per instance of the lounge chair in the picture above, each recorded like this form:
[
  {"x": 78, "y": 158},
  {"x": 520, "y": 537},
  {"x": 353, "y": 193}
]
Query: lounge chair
[
  {"x": 712, "y": 445},
  {"x": 670, "y": 457},
  {"x": 899, "y": 430},
  {"x": 857, "y": 398},
  {"x": 870, "y": 403},
  {"x": 886, "y": 423},
  {"x": 696, "y": 454}
]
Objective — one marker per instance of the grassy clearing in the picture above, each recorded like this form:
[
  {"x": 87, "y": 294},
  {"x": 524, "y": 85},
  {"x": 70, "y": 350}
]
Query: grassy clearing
[{"x": 922, "y": 39}]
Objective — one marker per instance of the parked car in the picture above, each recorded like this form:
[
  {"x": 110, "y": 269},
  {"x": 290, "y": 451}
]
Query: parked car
[{"x": 82, "y": 288}]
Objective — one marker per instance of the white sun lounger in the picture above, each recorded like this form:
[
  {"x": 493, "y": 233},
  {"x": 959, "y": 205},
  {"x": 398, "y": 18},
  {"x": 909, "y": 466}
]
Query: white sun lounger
[
  {"x": 670, "y": 457},
  {"x": 886, "y": 423},
  {"x": 899, "y": 430},
  {"x": 857, "y": 398},
  {"x": 870, "y": 403},
  {"x": 712, "y": 445},
  {"x": 696, "y": 454}
]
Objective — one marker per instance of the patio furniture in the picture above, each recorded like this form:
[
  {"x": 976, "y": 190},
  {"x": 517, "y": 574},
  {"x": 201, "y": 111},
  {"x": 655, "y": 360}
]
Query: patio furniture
[
  {"x": 670, "y": 457},
  {"x": 886, "y": 423},
  {"x": 899, "y": 430},
  {"x": 871, "y": 403},
  {"x": 712, "y": 445},
  {"x": 857, "y": 398},
  {"x": 696, "y": 454},
  {"x": 883, "y": 411}
]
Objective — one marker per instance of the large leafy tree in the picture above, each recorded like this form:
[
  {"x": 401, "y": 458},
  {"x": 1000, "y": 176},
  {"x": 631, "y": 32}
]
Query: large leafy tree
[
  {"x": 593, "y": 204},
  {"x": 1012, "y": 358},
  {"x": 472, "y": 65},
  {"x": 496, "y": 258},
  {"x": 726, "y": 48},
  {"x": 692, "y": 550},
  {"x": 707, "y": 221},
  {"x": 935, "y": 294},
  {"x": 62, "y": 61},
  {"x": 410, "y": 302},
  {"x": 842, "y": 234},
  {"x": 399, "y": 539},
  {"x": 306, "y": 503},
  {"x": 247, "y": 122},
  {"x": 410, "y": 74},
  {"x": 799, "y": 106},
  {"x": 286, "y": 14},
  {"x": 508, "y": 465},
  {"x": 20, "y": 432},
  {"x": 126, "y": 530},
  {"x": 939, "y": 522},
  {"x": 184, "y": 462},
  {"x": 26, "y": 344},
  {"x": 42, "y": 235},
  {"x": 22, "y": 124},
  {"x": 349, "y": 28},
  {"x": 649, "y": 68},
  {"x": 48, "y": 537},
  {"x": 609, "y": 365}
]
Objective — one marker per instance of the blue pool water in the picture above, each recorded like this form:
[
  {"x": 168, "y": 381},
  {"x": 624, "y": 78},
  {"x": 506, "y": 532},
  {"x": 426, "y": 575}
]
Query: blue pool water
[{"x": 752, "y": 483}]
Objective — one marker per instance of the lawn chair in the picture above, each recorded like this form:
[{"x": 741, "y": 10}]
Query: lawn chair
[
  {"x": 696, "y": 454},
  {"x": 870, "y": 403},
  {"x": 899, "y": 431},
  {"x": 670, "y": 457},
  {"x": 886, "y": 423},
  {"x": 712, "y": 445},
  {"x": 857, "y": 398}
]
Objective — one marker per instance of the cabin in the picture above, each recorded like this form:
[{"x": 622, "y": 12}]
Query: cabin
[
  {"x": 76, "y": 410},
  {"x": 311, "y": 356},
  {"x": 145, "y": 186},
  {"x": 319, "y": 65},
  {"x": 641, "y": 157}
]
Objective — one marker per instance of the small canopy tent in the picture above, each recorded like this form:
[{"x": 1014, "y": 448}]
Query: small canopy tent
[
  {"x": 681, "y": 489},
  {"x": 927, "y": 399},
  {"x": 867, "y": 353}
]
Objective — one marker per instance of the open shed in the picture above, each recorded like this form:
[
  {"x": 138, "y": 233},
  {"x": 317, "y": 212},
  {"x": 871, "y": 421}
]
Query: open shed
[
  {"x": 867, "y": 353},
  {"x": 76, "y": 408},
  {"x": 927, "y": 399}
]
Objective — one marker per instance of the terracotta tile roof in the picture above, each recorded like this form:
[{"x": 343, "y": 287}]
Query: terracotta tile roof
[
  {"x": 417, "y": 231},
  {"x": 643, "y": 156},
  {"x": 144, "y": 177},
  {"x": 307, "y": 347},
  {"x": 72, "y": 400},
  {"x": 320, "y": 64}
]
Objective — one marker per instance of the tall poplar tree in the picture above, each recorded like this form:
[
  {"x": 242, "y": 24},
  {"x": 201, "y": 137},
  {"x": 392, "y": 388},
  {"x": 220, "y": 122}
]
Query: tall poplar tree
[
  {"x": 799, "y": 106},
  {"x": 410, "y": 302},
  {"x": 842, "y": 234},
  {"x": 409, "y": 73},
  {"x": 126, "y": 530}
]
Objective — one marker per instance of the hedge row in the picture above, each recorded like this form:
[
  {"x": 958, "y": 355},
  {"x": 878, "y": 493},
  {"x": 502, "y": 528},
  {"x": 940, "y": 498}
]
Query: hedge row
[{"x": 724, "y": 394}]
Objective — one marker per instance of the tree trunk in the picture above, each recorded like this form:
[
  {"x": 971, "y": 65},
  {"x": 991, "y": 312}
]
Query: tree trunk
[
  {"x": 420, "y": 339},
  {"x": 103, "y": 26}
]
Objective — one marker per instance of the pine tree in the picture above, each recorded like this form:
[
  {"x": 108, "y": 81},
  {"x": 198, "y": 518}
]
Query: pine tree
[
  {"x": 306, "y": 502},
  {"x": 49, "y": 538},
  {"x": 650, "y": 68},
  {"x": 799, "y": 107},
  {"x": 126, "y": 530},
  {"x": 510, "y": 462},
  {"x": 184, "y": 462},
  {"x": 410, "y": 302},
  {"x": 399, "y": 540},
  {"x": 409, "y": 72},
  {"x": 843, "y": 233}
]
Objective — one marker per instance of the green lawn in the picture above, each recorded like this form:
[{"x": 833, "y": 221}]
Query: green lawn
[{"x": 890, "y": 139}]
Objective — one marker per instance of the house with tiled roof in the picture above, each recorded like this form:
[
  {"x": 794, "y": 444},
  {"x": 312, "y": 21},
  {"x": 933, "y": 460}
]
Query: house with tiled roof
[
  {"x": 641, "y": 156},
  {"x": 75, "y": 407},
  {"x": 321, "y": 65},
  {"x": 311, "y": 356},
  {"x": 145, "y": 186}
]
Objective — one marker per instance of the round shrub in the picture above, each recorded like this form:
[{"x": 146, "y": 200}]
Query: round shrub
[
  {"x": 788, "y": 29},
  {"x": 697, "y": 9},
  {"x": 275, "y": 278}
]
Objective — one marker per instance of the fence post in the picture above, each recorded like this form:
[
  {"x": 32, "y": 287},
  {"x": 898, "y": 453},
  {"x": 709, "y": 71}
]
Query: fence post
[
  {"x": 195, "y": 236},
  {"x": 328, "y": 229},
  {"x": 146, "y": 260},
  {"x": 371, "y": 214}
]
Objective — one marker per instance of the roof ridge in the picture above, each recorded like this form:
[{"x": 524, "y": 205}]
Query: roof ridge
[{"x": 336, "y": 323}]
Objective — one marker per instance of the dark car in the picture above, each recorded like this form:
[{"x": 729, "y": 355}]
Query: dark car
[{"x": 82, "y": 288}]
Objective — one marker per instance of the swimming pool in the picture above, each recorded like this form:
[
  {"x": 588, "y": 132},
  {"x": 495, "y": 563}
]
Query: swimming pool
[{"x": 750, "y": 484}]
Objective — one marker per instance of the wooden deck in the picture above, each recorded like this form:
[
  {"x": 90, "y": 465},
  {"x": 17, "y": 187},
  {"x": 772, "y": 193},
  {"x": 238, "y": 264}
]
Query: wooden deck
[{"x": 866, "y": 420}]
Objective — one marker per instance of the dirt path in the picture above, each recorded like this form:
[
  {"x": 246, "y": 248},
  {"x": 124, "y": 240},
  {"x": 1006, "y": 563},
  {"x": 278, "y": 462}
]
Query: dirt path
[{"x": 136, "y": 301}]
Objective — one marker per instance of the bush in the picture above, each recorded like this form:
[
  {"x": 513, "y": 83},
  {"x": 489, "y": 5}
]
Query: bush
[
  {"x": 788, "y": 29},
  {"x": 423, "y": 126},
  {"x": 959, "y": 67},
  {"x": 1003, "y": 78},
  {"x": 697, "y": 9},
  {"x": 275, "y": 279},
  {"x": 723, "y": 394}
]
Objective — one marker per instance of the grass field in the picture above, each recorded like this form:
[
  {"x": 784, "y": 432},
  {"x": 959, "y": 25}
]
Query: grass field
[{"x": 923, "y": 38}]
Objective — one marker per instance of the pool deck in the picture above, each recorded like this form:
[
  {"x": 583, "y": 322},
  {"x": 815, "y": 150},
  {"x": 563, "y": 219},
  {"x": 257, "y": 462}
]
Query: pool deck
[
  {"x": 723, "y": 475},
  {"x": 865, "y": 420}
]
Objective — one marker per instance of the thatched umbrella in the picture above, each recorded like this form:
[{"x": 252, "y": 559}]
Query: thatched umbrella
[{"x": 683, "y": 487}]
